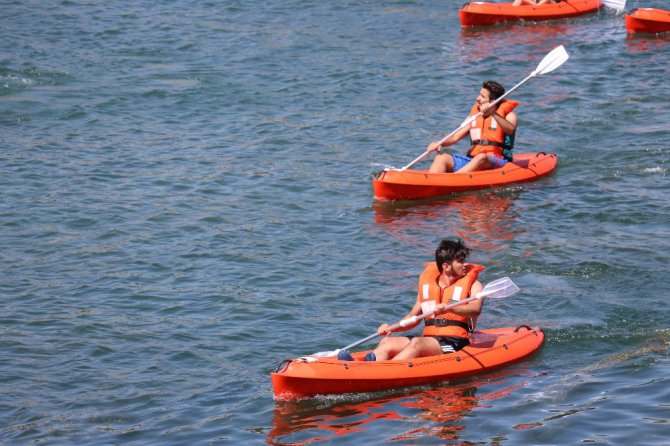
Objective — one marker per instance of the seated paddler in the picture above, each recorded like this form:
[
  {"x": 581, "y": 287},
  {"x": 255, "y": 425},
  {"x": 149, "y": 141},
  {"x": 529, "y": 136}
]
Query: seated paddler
[
  {"x": 446, "y": 281},
  {"x": 491, "y": 135}
]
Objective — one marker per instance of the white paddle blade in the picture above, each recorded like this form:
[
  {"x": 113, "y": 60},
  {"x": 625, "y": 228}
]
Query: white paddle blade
[
  {"x": 553, "y": 60},
  {"x": 499, "y": 288},
  {"x": 618, "y": 5}
]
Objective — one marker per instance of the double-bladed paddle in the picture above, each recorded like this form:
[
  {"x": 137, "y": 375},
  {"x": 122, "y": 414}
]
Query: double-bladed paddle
[
  {"x": 551, "y": 61},
  {"x": 497, "y": 289}
]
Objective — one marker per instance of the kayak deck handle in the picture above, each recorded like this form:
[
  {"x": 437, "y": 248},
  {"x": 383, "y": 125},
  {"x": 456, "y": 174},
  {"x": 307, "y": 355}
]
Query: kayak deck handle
[
  {"x": 284, "y": 363},
  {"x": 516, "y": 330}
]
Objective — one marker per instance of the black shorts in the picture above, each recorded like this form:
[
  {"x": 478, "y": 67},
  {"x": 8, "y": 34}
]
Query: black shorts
[{"x": 450, "y": 344}]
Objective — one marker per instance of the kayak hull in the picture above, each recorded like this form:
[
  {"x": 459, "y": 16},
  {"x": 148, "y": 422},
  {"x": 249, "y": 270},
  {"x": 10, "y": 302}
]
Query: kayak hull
[
  {"x": 420, "y": 184},
  {"x": 648, "y": 20},
  {"x": 489, "y": 349},
  {"x": 482, "y": 13}
]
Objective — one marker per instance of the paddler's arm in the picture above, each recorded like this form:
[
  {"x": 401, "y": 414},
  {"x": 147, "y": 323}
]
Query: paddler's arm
[
  {"x": 507, "y": 124},
  {"x": 416, "y": 310},
  {"x": 453, "y": 139}
]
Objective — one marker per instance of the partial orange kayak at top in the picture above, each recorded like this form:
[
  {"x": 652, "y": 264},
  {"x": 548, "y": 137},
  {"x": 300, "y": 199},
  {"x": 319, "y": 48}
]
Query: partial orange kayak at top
[
  {"x": 648, "y": 20},
  {"x": 483, "y": 13}
]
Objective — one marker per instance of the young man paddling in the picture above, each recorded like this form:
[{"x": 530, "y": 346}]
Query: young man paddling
[
  {"x": 447, "y": 280},
  {"x": 491, "y": 135}
]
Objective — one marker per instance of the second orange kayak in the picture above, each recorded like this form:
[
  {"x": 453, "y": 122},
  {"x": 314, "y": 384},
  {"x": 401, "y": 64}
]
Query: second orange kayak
[
  {"x": 648, "y": 20},
  {"x": 489, "y": 349},
  {"x": 483, "y": 13},
  {"x": 419, "y": 184}
]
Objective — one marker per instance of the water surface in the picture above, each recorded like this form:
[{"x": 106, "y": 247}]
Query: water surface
[{"x": 187, "y": 201}]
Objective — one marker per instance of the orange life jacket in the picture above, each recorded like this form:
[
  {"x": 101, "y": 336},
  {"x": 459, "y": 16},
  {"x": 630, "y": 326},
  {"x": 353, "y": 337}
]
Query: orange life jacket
[
  {"x": 486, "y": 136},
  {"x": 430, "y": 294}
]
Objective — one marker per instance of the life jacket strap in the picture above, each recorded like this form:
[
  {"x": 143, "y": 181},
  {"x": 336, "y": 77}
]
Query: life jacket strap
[
  {"x": 486, "y": 142},
  {"x": 506, "y": 146},
  {"x": 448, "y": 323}
]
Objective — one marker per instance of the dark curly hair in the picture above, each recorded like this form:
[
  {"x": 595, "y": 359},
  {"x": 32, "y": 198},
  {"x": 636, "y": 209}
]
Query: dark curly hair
[
  {"x": 495, "y": 89},
  {"x": 450, "y": 250}
]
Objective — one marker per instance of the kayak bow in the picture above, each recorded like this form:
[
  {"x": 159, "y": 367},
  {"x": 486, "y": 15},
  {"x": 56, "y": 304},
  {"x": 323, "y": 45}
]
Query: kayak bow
[{"x": 648, "y": 20}]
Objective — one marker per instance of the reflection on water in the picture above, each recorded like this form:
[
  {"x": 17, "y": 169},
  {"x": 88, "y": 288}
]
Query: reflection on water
[
  {"x": 438, "y": 411},
  {"x": 478, "y": 44},
  {"x": 654, "y": 44},
  {"x": 305, "y": 419},
  {"x": 485, "y": 220}
]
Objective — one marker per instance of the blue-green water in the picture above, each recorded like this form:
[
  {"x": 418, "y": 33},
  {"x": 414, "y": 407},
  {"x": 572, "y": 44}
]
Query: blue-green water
[{"x": 186, "y": 201}]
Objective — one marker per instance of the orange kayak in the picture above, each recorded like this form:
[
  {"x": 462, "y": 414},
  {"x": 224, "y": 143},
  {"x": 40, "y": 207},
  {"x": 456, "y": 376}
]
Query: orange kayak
[
  {"x": 648, "y": 20},
  {"x": 489, "y": 349},
  {"x": 481, "y": 13},
  {"x": 418, "y": 184}
]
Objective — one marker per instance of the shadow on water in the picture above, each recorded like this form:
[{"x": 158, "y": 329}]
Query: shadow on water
[{"x": 437, "y": 412}]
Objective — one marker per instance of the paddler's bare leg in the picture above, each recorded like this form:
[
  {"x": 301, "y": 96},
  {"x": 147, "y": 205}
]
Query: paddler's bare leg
[
  {"x": 404, "y": 348},
  {"x": 442, "y": 163},
  {"x": 389, "y": 347},
  {"x": 419, "y": 347}
]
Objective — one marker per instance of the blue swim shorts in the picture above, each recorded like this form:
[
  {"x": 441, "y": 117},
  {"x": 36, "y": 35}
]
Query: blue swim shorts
[{"x": 461, "y": 160}]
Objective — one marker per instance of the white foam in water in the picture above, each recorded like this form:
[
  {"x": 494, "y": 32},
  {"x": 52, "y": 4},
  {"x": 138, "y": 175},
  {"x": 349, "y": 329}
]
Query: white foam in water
[
  {"x": 661, "y": 170},
  {"x": 383, "y": 166}
]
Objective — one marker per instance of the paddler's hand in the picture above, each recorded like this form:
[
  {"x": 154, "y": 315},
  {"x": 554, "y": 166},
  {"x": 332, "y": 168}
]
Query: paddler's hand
[
  {"x": 434, "y": 146},
  {"x": 487, "y": 109},
  {"x": 383, "y": 330}
]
